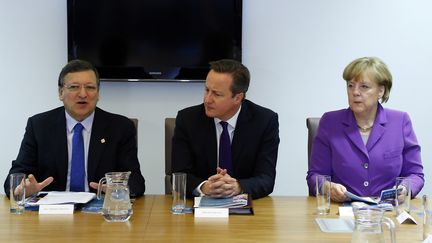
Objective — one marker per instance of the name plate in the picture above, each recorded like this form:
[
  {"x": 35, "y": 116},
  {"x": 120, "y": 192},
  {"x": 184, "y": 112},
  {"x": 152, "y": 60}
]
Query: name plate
[
  {"x": 211, "y": 212},
  {"x": 56, "y": 209},
  {"x": 346, "y": 212},
  {"x": 405, "y": 217}
]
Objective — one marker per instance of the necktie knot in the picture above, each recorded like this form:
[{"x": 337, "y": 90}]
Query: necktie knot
[
  {"x": 78, "y": 128},
  {"x": 224, "y": 125}
]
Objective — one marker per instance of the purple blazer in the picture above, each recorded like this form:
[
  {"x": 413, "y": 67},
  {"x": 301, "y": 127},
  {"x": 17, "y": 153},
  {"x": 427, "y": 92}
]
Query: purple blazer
[{"x": 391, "y": 151}]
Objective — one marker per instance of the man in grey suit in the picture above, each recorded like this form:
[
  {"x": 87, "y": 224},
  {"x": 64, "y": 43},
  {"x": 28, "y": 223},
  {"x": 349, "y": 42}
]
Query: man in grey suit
[
  {"x": 253, "y": 133},
  {"x": 109, "y": 140}
]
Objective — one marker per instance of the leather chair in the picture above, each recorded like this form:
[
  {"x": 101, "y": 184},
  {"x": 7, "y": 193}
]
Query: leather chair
[
  {"x": 169, "y": 132},
  {"x": 312, "y": 125}
]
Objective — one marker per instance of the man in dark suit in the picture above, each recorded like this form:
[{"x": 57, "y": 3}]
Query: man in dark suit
[
  {"x": 109, "y": 140},
  {"x": 253, "y": 132}
]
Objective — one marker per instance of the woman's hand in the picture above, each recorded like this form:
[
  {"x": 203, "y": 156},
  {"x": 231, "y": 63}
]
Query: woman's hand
[{"x": 337, "y": 192}]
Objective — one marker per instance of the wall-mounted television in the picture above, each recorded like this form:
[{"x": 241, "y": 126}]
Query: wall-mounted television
[{"x": 154, "y": 40}]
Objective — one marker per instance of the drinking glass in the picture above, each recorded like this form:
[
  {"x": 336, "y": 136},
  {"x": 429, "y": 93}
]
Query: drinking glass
[
  {"x": 403, "y": 195},
  {"x": 323, "y": 186},
  {"x": 178, "y": 193},
  {"x": 427, "y": 216},
  {"x": 17, "y": 192}
]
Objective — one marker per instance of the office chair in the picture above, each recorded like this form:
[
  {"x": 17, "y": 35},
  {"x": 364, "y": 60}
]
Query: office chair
[
  {"x": 312, "y": 125},
  {"x": 169, "y": 132}
]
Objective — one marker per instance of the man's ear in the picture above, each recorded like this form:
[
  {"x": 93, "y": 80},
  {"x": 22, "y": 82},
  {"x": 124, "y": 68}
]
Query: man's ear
[
  {"x": 239, "y": 97},
  {"x": 60, "y": 91}
]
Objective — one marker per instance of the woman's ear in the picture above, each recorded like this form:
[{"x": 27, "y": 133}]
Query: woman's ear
[{"x": 381, "y": 91}]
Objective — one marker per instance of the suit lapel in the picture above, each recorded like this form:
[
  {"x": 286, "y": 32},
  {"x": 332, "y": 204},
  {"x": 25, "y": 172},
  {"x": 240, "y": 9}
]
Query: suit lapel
[
  {"x": 378, "y": 128},
  {"x": 352, "y": 133},
  {"x": 210, "y": 139},
  {"x": 239, "y": 133},
  {"x": 61, "y": 151},
  {"x": 98, "y": 140}
]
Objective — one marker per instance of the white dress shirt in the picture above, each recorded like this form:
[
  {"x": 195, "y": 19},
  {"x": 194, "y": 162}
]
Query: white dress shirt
[{"x": 70, "y": 124}]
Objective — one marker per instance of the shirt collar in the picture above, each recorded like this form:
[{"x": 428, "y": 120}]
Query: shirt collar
[
  {"x": 232, "y": 121},
  {"x": 71, "y": 122}
]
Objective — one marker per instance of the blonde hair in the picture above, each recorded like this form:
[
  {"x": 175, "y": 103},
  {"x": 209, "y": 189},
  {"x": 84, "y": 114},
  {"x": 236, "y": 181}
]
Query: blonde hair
[{"x": 375, "y": 69}]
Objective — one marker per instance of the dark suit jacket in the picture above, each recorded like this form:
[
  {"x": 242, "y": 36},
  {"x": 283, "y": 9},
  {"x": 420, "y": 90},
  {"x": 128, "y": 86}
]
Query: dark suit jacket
[
  {"x": 44, "y": 150},
  {"x": 254, "y": 148}
]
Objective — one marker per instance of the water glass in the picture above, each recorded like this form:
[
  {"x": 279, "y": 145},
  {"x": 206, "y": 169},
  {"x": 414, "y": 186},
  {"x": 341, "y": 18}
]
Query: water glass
[
  {"x": 403, "y": 195},
  {"x": 178, "y": 193},
  {"x": 17, "y": 192},
  {"x": 323, "y": 186},
  {"x": 427, "y": 216}
]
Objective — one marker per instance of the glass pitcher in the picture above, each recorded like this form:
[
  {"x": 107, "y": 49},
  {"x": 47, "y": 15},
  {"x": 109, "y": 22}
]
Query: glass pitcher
[
  {"x": 368, "y": 225},
  {"x": 117, "y": 206}
]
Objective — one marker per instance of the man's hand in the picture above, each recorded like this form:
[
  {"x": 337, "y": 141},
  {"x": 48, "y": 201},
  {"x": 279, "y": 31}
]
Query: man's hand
[
  {"x": 95, "y": 185},
  {"x": 221, "y": 185},
  {"x": 32, "y": 186}
]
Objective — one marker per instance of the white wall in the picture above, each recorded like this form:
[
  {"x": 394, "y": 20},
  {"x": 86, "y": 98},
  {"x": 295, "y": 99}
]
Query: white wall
[{"x": 296, "y": 51}]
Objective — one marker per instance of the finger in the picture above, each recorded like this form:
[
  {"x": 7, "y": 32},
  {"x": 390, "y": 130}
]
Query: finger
[
  {"x": 94, "y": 185},
  {"x": 31, "y": 179},
  {"x": 46, "y": 182},
  {"x": 222, "y": 172},
  {"x": 216, "y": 185},
  {"x": 215, "y": 177},
  {"x": 229, "y": 180}
]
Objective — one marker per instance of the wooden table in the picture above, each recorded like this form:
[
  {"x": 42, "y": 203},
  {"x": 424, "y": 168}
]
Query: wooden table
[{"x": 276, "y": 219}]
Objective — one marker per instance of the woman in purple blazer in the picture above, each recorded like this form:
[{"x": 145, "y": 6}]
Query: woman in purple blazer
[{"x": 365, "y": 147}]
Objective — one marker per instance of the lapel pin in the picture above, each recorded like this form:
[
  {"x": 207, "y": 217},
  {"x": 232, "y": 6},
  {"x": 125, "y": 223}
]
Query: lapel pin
[{"x": 102, "y": 140}]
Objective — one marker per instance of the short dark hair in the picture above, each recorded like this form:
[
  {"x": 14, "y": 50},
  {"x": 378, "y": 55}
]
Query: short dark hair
[
  {"x": 239, "y": 73},
  {"x": 77, "y": 66}
]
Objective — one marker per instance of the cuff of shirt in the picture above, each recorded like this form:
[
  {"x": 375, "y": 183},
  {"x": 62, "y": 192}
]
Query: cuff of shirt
[{"x": 197, "y": 192}]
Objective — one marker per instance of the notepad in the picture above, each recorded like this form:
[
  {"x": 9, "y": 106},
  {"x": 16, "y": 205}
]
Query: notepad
[{"x": 335, "y": 225}]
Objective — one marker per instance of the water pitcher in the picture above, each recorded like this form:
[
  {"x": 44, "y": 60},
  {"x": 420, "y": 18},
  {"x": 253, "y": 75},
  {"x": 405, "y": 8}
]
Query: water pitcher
[
  {"x": 368, "y": 225},
  {"x": 117, "y": 206}
]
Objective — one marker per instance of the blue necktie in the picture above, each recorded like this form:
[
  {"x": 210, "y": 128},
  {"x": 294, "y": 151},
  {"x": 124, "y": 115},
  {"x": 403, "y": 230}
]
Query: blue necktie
[
  {"x": 225, "y": 158},
  {"x": 77, "y": 174}
]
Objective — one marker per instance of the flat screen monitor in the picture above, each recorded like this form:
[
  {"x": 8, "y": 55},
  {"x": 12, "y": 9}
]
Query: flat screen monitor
[{"x": 154, "y": 40}]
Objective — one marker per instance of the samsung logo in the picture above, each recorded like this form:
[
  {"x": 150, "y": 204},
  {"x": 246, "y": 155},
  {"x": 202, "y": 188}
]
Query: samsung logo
[{"x": 155, "y": 73}]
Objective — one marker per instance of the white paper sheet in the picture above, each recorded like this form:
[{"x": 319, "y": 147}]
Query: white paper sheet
[{"x": 65, "y": 197}]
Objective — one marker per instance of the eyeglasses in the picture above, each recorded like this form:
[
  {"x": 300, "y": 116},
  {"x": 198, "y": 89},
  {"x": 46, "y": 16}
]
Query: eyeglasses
[{"x": 77, "y": 87}]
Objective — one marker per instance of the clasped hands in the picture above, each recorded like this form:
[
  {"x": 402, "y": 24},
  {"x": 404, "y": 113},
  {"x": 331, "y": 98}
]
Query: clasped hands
[
  {"x": 221, "y": 185},
  {"x": 32, "y": 186}
]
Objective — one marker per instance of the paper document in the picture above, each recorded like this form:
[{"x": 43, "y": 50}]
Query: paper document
[
  {"x": 386, "y": 195},
  {"x": 240, "y": 204},
  {"x": 230, "y": 202},
  {"x": 63, "y": 198}
]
